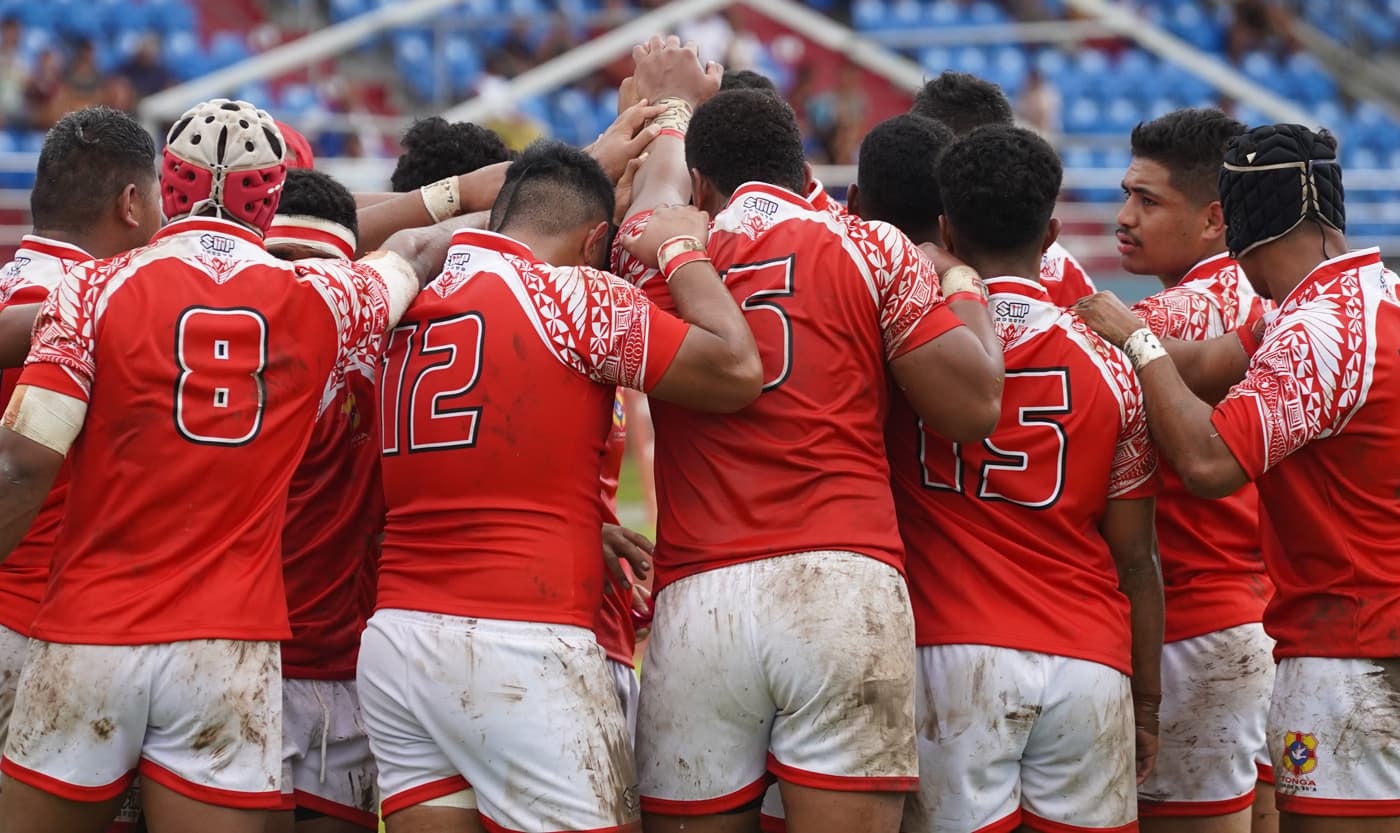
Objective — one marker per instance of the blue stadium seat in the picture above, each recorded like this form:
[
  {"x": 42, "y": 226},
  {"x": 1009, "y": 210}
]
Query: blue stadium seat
[
  {"x": 183, "y": 56},
  {"x": 296, "y": 100},
  {"x": 935, "y": 59},
  {"x": 1083, "y": 116},
  {"x": 986, "y": 13},
  {"x": 943, "y": 13},
  {"x": 905, "y": 14},
  {"x": 464, "y": 62},
  {"x": 575, "y": 117},
  {"x": 342, "y": 10},
  {"x": 868, "y": 15},
  {"x": 1051, "y": 62},
  {"x": 972, "y": 59},
  {"x": 1122, "y": 115},
  {"x": 1008, "y": 67}
]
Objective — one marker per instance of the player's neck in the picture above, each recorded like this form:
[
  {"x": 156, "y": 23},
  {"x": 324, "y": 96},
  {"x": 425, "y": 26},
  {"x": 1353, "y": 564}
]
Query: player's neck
[
  {"x": 1001, "y": 266},
  {"x": 89, "y": 242},
  {"x": 1168, "y": 281},
  {"x": 1287, "y": 262}
]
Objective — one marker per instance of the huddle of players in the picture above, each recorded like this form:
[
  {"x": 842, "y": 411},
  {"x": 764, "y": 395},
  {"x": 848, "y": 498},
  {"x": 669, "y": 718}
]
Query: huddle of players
[{"x": 781, "y": 643}]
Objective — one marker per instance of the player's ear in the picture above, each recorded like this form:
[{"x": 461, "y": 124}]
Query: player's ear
[
  {"x": 595, "y": 246},
  {"x": 699, "y": 189},
  {"x": 1052, "y": 233},
  {"x": 129, "y": 209},
  {"x": 1215, "y": 221},
  {"x": 853, "y": 200}
]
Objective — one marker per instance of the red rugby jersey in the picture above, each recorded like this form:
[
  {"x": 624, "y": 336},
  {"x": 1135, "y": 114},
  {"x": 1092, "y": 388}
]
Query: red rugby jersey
[
  {"x": 1065, "y": 281},
  {"x": 214, "y": 360},
  {"x": 497, "y": 395},
  {"x": 614, "y": 627},
  {"x": 38, "y": 266},
  {"x": 1314, "y": 424},
  {"x": 1212, "y": 571},
  {"x": 330, "y": 541},
  {"x": 1003, "y": 536},
  {"x": 830, "y": 300}
]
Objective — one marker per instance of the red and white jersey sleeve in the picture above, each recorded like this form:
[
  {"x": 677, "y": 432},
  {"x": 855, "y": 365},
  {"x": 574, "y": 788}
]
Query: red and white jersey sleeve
[
  {"x": 829, "y": 299},
  {"x": 1001, "y": 532},
  {"x": 1063, "y": 278},
  {"x": 504, "y": 372},
  {"x": 202, "y": 360},
  {"x": 1212, "y": 567},
  {"x": 1313, "y": 423},
  {"x": 38, "y": 267}
]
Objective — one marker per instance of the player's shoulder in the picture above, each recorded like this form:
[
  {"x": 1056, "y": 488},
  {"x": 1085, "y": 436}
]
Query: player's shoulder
[{"x": 1114, "y": 368}]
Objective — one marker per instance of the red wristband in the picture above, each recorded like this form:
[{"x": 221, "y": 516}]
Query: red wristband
[
  {"x": 671, "y": 131},
  {"x": 967, "y": 296},
  {"x": 1248, "y": 340},
  {"x": 674, "y": 264}
]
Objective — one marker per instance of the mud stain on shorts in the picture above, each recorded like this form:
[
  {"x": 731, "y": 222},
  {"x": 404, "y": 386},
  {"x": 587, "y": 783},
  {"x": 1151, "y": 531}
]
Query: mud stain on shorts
[{"x": 103, "y": 728}]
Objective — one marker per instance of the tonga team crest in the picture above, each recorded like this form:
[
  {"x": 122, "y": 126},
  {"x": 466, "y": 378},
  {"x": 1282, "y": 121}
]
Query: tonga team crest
[{"x": 1299, "y": 753}]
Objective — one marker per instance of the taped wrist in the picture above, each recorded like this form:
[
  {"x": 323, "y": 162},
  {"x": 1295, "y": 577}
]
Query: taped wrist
[
  {"x": 960, "y": 280},
  {"x": 443, "y": 198},
  {"x": 676, "y": 119},
  {"x": 50, "y": 419},
  {"x": 677, "y": 252},
  {"x": 1143, "y": 348}
]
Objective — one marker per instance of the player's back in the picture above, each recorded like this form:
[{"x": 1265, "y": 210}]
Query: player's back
[
  {"x": 213, "y": 361},
  {"x": 497, "y": 395},
  {"x": 803, "y": 468},
  {"x": 1003, "y": 536}
]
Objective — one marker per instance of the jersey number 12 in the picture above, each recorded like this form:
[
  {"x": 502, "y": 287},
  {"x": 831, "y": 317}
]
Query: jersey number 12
[{"x": 428, "y": 368}]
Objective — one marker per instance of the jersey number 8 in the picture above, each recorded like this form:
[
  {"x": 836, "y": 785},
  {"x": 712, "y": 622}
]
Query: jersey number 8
[{"x": 220, "y": 394}]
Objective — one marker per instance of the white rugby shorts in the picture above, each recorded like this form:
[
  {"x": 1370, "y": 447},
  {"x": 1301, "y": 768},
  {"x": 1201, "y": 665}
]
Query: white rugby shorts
[
  {"x": 1334, "y": 731},
  {"x": 629, "y": 689},
  {"x": 202, "y": 718},
  {"x": 1011, "y": 738},
  {"x": 14, "y": 647},
  {"x": 326, "y": 763},
  {"x": 524, "y": 713},
  {"x": 801, "y": 666},
  {"x": 1215, "y": 702}
]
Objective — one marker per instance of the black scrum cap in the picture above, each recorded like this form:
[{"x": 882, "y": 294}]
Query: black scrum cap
[{"x": 1274, "y": 178}]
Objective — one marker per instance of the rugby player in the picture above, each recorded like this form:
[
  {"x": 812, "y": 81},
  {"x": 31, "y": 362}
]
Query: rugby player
[
  {"x": 1037, "y": 597},
  {"x": 434, "y": 149},
  {"x": 1310, "y": 421},
  {"x": 156, "y": 644},
  {"x": 1218, "y": 667},
  {"x": 897, "y": 176},
  {"x": 497, "y": 393},
  {"x": 749, "y": 671},
  {"x": 965, "y": 102}
]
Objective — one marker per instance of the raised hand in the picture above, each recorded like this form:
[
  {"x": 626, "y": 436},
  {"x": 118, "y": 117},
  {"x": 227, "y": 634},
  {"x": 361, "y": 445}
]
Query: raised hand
[
  {"x": 666, "y": 69},
  {"x": 1109, "y": 317},
  {"x": 625, "y": 139}
]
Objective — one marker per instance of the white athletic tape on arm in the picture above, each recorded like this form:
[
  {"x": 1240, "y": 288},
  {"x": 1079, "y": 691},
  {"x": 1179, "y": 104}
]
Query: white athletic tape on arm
[
  {"x": 443, "y": 198},
  {"x": 50, "y": 419},
  {"x": 399, "y": 278},
  {"x": 1143, "y": 348}
]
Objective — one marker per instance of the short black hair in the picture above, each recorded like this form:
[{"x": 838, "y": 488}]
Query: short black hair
[
  {"x": 553, "y": 188},
  {"x": 434, "y": 148},
  {"x": 999, "y": 187},
  {"x": 746, "y": 136},
  {"x": 898, "y": 173},
  {"x": 747, "y": 79},
  {"x": 963, "y": 102},
  {"x": 312, "y": 193},
  {"x": 1190, "y": 144},
  {"x": 88, "y": 158}
]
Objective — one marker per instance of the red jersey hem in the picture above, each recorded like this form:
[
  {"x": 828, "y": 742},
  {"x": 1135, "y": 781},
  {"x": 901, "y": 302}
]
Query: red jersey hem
[
  {"x": 1215, "y": 626},
  {"x": 1188, "y": 809},
  {"x": 666, "y": 577},
  {"x": 63, "y": 789},
  {"x": 708, "y": 806},
  {"x": 339, "y": 674},
  {"x": 267, "y": 800},
  {"x": 1349, "y": 808},
  {"x": 13, "y": 623},
  {"x": 326, "y": 807},
  {"x": 413, "y": 796},
  {"x": 1035, "y": 822},
  {"x": 842, "y": 783},
  {"x": 1014, "y": 644},
  {"x": 66, "y": 637},
  {"x": 493, "y": 827},
  {"x": 945, "y": 322}
]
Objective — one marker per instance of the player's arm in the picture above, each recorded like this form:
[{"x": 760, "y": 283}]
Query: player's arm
[
  {"x": 954, "y": 381},
  {"x": 27, "y": 468},
  {"x": 412, "y": 258},
  {"x": 430, "y": 205},
  {"x": 717, "y": 367},
  {"x": 1210, "y": 367},
  {"x": 1182, "y": 319},
  {"x": 365, "y": 200},
  {"x": 16, "y": 330},
  {"x": 1180, "y": 421},
  {"x": 671, "y": 76},
  {"x": 1129, "y": 528}
]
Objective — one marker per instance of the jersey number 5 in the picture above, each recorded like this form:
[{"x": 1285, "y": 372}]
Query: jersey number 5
[
  {"x": 428, "y": 368},
  {"x": 220, "y": 394},
  {"x": 762, "y": 285},
  {"x": 1023, "y": 462}
]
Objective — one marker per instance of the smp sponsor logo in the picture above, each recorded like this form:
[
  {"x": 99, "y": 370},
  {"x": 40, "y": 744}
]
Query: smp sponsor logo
[
  {"x": 217, "y": 244},
  {"x": 16, "y": 266},
  {"x": 1017, "y": 311},
  {"x": 457, "y": 261},
  {"x": 762, "y": 205}
]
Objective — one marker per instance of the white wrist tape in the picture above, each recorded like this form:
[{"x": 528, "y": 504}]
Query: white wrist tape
[
  {"x": 962, "y": 279},
  {"x": 443, "y": 198},
  {"x": 1143, "y": 348},
  {"x": 50, "y": 419}
]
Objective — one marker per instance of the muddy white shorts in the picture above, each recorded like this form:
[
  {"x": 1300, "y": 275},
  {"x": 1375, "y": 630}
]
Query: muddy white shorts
[
  {"x": 1010, "y": 737},
  {"x": 326, "y": 763},
  {"x": 1334, "y": 731},
  {"x": 1215, "y": 700},
  {"x": 801, "y": 666},
  {"x": 202, "y": 718},
  {"x": 524, "y": 713},
  {"x": 13, "y": 649},
  {"x": 629, "y": 689}
]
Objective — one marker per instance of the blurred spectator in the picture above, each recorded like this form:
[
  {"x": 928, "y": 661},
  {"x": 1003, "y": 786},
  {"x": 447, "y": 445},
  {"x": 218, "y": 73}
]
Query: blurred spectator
[
  {"x": 145, "y": 70},
  {"x": 1259, "y": 24},
  {"x": 82, "y": 80},
  {"x": 41, "y": 94},
  {"x": 712, "y": 34},
  {"x": 1039, "y": 104},
  {"x": 14, "y": 73},
  {"x": 515, "y": 54},
  {"x": 838, "y": 117},
  {"x": 558, "y": 40}
]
